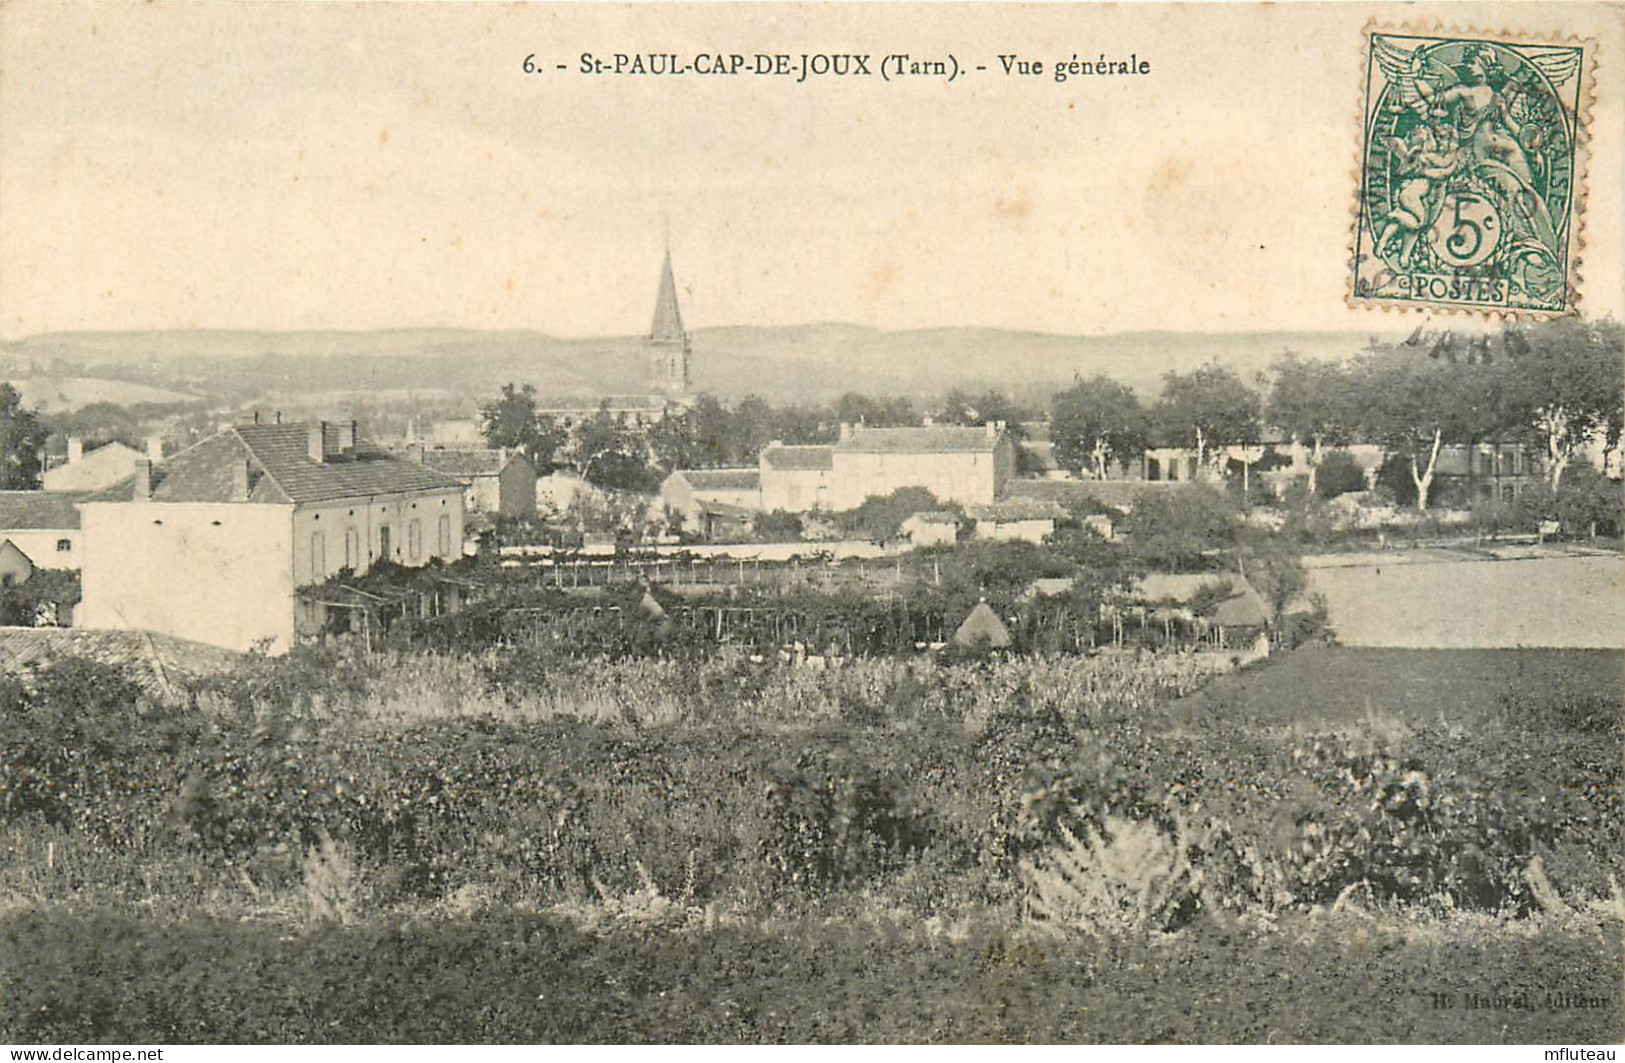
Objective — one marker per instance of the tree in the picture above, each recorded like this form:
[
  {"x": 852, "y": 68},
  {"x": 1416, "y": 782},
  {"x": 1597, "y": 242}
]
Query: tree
[
  {"x": 610, "y": 453},
  {"x": 1313, "y": 403},
  {"x": 853, "y": 408},
  {"x": 1097, "y": 421},
  {"x": 512, "y": 421},
  {"x": 1207, "y": 408},
  {"x": 1563, "y": 386},
  {"x": 1412, "y": 403},
  {"x": 1178, "y": 527},
  {"x": 880, "y": 517},
  {"x": 22, "y": 437}
]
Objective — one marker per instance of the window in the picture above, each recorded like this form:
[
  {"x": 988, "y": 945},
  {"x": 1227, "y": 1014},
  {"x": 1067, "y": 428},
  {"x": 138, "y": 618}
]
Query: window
[
  {"x": 352, "y": 548},
  {"x": 318, "y": 555},
  {"x": 64, "y": 546},
  {"x": 414, "y": 539},
  {"x": 383, "y": 542},
  {"x": 445, "y": 535}
]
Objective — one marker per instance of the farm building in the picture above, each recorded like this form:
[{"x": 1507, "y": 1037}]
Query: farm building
[
  {"x": 497, "y": 482},
  {"x": 43, "y": 526},
  {"x": 701, "y": 496},
  {"x": 964, "y": 465},
  {"x": 797, "y": 479},
  {"x": 1020, "y": 519},
  {"x": 1220, "y": 610},
  {"x": 215, "y": 544}
]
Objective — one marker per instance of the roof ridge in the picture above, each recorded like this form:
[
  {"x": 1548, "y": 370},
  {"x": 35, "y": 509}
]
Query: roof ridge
[{"x": 265, "y": 470}]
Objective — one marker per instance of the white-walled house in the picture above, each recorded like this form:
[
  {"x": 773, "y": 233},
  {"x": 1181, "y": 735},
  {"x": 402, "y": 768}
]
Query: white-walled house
[
  {"x": 214, "y": 544},
  {"x": 1024, "y": 519},
  {"x": 797, "y": 478},
  {"x": 965, "y": 465},
  {"x": 696, "y": 494},
  {"x": 44, "y": 526},
  {"x": 102, "y": 467}
]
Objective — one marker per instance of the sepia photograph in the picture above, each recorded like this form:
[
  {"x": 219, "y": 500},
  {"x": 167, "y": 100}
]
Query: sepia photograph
[{"x": 811, "y": 524}]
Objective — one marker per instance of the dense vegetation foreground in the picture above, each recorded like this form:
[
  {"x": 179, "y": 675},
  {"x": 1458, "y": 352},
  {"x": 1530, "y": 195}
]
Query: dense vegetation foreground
[{"x": 1338, "y": 845}]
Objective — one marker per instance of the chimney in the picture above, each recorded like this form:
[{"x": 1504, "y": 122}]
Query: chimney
[
  {"x": 929, "y": 421},
  {"x": 256, "y": 417},
  {"x": 502, "y": 457},
  {"x": 414, "y": 453},
  {"x": 239, "y": 480},
  {"x": 155, "y": 449},
  {"x": 76, "y": 449},
  {"x": 316, "y": 441},
  {"x": 143, "y": 480},
  {"x": 846, "y": 431}
]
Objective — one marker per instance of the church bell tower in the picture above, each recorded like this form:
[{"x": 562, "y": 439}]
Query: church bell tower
[{"x": 668, "y": 343}]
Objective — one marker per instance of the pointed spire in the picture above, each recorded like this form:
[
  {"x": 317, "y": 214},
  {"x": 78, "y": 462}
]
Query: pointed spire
[{"x": 668, "y": 320}]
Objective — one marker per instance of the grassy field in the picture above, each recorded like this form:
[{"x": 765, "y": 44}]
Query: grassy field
[
  {"x": 1477, "y": 604},
  {"x": 1338, "y": 686}
]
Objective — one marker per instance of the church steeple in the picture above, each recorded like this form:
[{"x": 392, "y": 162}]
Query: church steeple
[{"x": 668, "y": 342}]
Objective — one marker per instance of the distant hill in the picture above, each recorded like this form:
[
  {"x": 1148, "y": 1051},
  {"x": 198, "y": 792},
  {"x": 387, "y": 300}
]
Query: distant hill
[
  {"x": 66, "y": 394},
  {"x": 782, "y": 364}
]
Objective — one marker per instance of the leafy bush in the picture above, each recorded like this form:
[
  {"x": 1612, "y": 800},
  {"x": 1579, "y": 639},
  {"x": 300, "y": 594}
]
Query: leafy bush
[{"x": 1339, "y": 474}]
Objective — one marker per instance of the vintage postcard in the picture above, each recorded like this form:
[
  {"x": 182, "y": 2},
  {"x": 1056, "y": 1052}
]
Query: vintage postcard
[{"x": 905, "y": 523}]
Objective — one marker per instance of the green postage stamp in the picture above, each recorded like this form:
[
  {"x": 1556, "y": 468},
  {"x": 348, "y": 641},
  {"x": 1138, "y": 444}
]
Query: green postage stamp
[{"x": 1471, "y": 176}]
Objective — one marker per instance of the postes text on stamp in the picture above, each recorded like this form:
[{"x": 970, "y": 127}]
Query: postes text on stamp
[{"x": 1469, "y": 195}]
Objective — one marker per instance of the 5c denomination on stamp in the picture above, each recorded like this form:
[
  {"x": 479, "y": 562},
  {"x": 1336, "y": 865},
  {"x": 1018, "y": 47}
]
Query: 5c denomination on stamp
[{"x": 1469, "y": 189}]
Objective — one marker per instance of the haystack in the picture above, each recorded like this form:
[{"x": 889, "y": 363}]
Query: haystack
[{"x": 982, "y": 628}]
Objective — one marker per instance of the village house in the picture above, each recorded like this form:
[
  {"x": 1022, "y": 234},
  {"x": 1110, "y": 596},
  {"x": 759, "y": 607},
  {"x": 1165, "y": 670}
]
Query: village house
[
  {"x": 1016, "y": 520},
  {"x": 496, "y": 482},
  {"x": 43, "y": 526},
  {"x": 796, "y": 479},
  {"x": 964, "y": 465},
  {"x": 102, "y": 467},
  {"x": 701, "y": 496},
  {"x": 215, "y": 544}
]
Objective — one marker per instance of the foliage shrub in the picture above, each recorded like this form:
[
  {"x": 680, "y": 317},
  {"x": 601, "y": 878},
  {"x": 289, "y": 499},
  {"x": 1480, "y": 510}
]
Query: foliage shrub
[
  {"x": 1339, "y": 474},
  {"x": 746, "y": 784}
]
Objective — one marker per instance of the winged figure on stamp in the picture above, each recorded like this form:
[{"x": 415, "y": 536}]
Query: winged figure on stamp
[{"x": 1467, "y": 118}]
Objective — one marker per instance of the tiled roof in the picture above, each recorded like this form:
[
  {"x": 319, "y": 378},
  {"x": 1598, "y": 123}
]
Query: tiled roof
[
  {"x": 934, "y": 516},
  {"x": 158, "y": 661},
  {"x": 933, "y": 440},
  {"x": 280, "y": 470},
  {"x": 1017, "y": 509},
  {"x": 799, "y": 458},
  {"x": 39, "y": 509},
  {"x": 722, "y": 479},
  {"x": 97, "y": 469},
  {"x": 1120, "y": 494}
]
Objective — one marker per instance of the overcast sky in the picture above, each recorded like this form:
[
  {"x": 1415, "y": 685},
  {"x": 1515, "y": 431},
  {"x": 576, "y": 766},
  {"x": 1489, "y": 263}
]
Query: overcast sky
[{"x": 304, "y": 166}]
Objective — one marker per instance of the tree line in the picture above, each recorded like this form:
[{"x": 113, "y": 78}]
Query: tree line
[
  {"x": 615, "y": 451},
  {"x": 1557, "y": 387}
]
